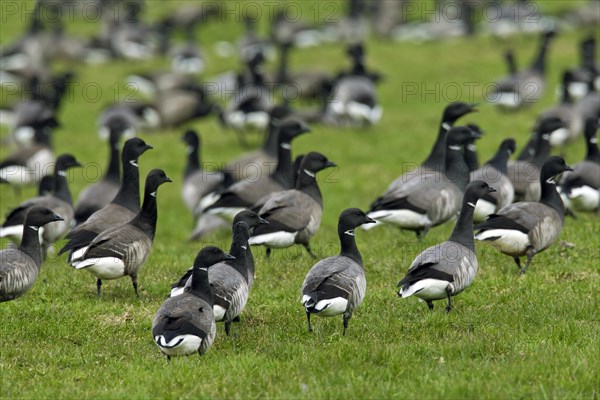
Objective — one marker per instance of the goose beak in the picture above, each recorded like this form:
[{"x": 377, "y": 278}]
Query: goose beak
[
  {"x": 304, "y": 129},
  {"x": 148, "y": 147},
  {"x": 76, "y": 164},
  {"x": 167, "y": 179},
  {"x": 370, "y": 220},
  {"x": 228, "y": 256},
  {"x": 57, "y": 218},
  {"x": 330, "y": 164},
  {"x": 491, "y": 190},
  {"x": 568, "y": 168},
  {"x": 263, "y": 221}
]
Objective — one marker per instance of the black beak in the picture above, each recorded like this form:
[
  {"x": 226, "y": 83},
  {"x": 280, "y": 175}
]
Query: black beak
[
  {"x": 263, "y": 221},
  {"x": 491, "y": 190},
  {"x": 330, "y": 164},
  {"x": 148, "y": 147},
  {"x": 57, "y": 218},
  {"x": 567, "y": 168},
  {"x": 228, "y": 256},
  {"x": 304, "y": 129},
  {"x": 167, "y": 179},
  {"x": 369, "y": 220},
  {"x": 76, "y": 164}
]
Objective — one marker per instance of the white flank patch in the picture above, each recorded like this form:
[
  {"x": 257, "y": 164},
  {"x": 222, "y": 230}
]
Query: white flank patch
[
  {"x": 427, "y": 289},
  {"x": 511, "y": 242},
  {"x": 506, "y": 99},
  {"x": 406, "y": 219},
  {"x": 103, "y": 133},
  {"x": 483, "y": 209},
  {"x": 176, "y": 291},
  {"x": 152, "y": 117},
  {"x": 275, "y": 239},
  {"x": 219, "y": 313},
  {"x": 578, "y": 89},
  {"x": 77, "y": 255},
  {"x": 15, "y": 232},
  {"x": 257, "y": 120},
  {"x": 585, "y": 198},
  {"x": 142, "y": 84},
  {"x": 103, "y": 267},
  {"x": 236, "y": 120},
  {"x": 17, "y": 175},
  {"x": 228, "y": 213},
  {"x": 178, "y": 346},
  {"x": 331, "y": 307},
  {"x": 359, "y": 112},
  {"x": 559, "y": 136},
  {"x": 207, "y": 201},
  {"x": 24, "y": 134},
  {"x": 7, "y": 118},
  {"x": 15, "y": 62}
]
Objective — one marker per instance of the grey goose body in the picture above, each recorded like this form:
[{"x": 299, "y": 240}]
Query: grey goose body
[
  {"x": 337, "y": 285},
  {"x": 433, "y": 199},
  {"x": 494, "y": 174},
  {"x": 59, "y": 201},
  {"x": 19, "y": 267},
  {"x": 446, "y": 269},
  {"x": 294, "y": 215},
  {"x": 185, "y": 324},
  {"x": 123, "y": 207},
  {"x": 120, "y": 251},
  {"x": 567, "y": 113},
  {"x": 528, "y": 228}
]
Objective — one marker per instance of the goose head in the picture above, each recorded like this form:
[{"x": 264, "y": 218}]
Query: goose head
[
  {"x": 192, "y": 139},
  {"x": 509, "y": 145},
  {"x": 250, "y": 218},
  {"x": 351, "y": 219},
  {"x": 461, "y": 135},
  {"x": 291, "y": 128},
  {"x": 133, "y": 149},
  {"x": 40, "y": 216},
  {"x": 155, "y": 179},
  {"x": 454, "y": 111},
  {"x": 314, "y": 162},
  {"x": 209, "y": 256},
  {"x": 476, "y": 190},
  {"x": 65, "y": 162},
  {"x": 553, "y": 167}
]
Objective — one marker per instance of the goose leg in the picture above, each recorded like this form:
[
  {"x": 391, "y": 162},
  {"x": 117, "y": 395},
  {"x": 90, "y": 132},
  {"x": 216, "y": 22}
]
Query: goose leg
[
  {"x": 310, "y": 329},
  {"x": 530, "y": 253},
  {"x": 346, "y": 319},
  {"x": 518, "y": 262},
  {"x": 430, "y": 304},
  {"x": 307, "y": 247},
  {"x": 99, "y": 286},
  {"x": 449, "y": 294},
  {"x": 135, "y": 284},
  {"x": 168, "y": 359},
  {"x": 227, "y": 327},
  {"x": 237, "y": 319},
  {"x": 268, "y": 252}
]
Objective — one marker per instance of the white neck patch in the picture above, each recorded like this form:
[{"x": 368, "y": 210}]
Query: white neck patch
[
  {"x": 286, "y": 146},
  {"x": 153, "y": 194},
  {"x": 456, "y": 148},
  {"x": 189, "y": 149},
  {"x": 203, "y": 269},
  {"x": 551, "y": 181},
  {"x": 35, "y": 228},
  {"x": 307, "y": 172},
  {"x": 134, "y": 163},
  {"x": 471, "y": 204},
  {"x": 244, "y": 247},
  {"x": 594, "y": 140},
  {"x": 471, "y": 147},
  {"x": 446, "y": 126},
  {"x": 546, "y": 136},
  {"x": 62, "y": 173},
  {"x": 349, "y": 232}
]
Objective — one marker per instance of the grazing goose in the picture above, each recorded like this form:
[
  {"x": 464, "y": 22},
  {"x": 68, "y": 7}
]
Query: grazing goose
[
  {"x": 294, "y": 215},
  {"x": 252, "y": 220},
  {"x": 494, "y": 174},
  {"x": 244, "y": 194},
  {"x": 121, "y": 251},
  {"x": 528, "y": 228},
  {"x": 435, "y": 160},
  {"x": 137, "y": 116},
  {"x": 567, "y": 113},
  {"x": 337, "y": 285},
  {"x": 152, "y": 84},
  {"x": 27, "y": 165},
  {"x": 185, "y": 324},
  {"x": 524, "y": 172},
  {"x": 433, "y": 199},
  {"x": 245, "y": 167},
  {"x": 580, "y": 189},
  {"x": 177, "y": 107},
  {"x": 99, "y": 194},
  {"x": 59, "y": 202},
  {"x": 19, "y": 268},
  {"x": 446, "y": 269},
  {"x": 124, "y": 206},
  {"x": 525, "y": 87},
  {"x": 354, "y": 96},
  {"x": 197, "y": 182},
  {"x": 586, "y": 72}
]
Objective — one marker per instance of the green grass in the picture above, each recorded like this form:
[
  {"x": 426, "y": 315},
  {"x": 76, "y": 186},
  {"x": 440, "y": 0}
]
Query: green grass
[{"x": 508, "y": 336}]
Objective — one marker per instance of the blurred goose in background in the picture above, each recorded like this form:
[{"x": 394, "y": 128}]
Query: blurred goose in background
[
  {"x": 494, "y": 173},
  {"x": 185, "y": 324},
  {"x": 586, "y": 72},
  {"x": 504, "y": 19},
  {"x": 446, "y": 269},
  {"x": 524, "y": 172},
  {"x": 294, "y": 215},
  {"x": 433, "y": 199},
  {"x": 136, "y": 115},
  {"x": 470, "y": 148},
  {"x": 97, "y": 195},
  {"x": 587, "y": 14},
  {"x": 250, "y": 45},
  {"x": 354, "y": 96},
  {"x": 524, "y": 87},
  {"x": 589, "y": 105},
  {"x": 20, "y": 267},
  {"x": 580, "y": 189},
  {"x": 337, "y": 285},
  {"x": 27, "y": 165},
  {"x": 122, "y": 250},
  {"x": 565, "y": 112},
  {"x": 59, "y": 201},
  {"x": 244, "y": 194},
  {"x": 528, "y": 228},
  {"x": 122, "y": 208},
  {"x": 228, "y": 280},
  {"x": 128, "y": 37}
]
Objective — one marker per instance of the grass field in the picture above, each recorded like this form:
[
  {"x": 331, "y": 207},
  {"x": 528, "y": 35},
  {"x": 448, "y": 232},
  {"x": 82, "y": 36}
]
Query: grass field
[{"x": 508, "y": 336}]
